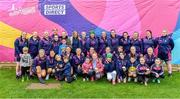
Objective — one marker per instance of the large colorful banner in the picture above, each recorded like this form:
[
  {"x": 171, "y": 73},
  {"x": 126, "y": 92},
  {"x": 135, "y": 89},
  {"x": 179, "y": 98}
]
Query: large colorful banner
[{"x": 84, "y": 15}]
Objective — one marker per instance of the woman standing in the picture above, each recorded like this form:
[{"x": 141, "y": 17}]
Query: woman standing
[
  {"x": 136, "y": 42},
  {"x": 83, "y": 42},
  {"x": 19, "y": 43},
  {"x": 55, "y": 32},
  {"x": 34, "y": 44},
  {"x": 75, "y": 41},
  {"x": 103, "y": 43},
  {"x": 165, "y": 46},
  {"x": 55, "y": 44},
  {"x": 113, "y": 41},
  {"x": 46, "y": 43},
  {"x": 65, "y": 36},
  {"x": 125, "y": 42},
  {"x": 92, "y": 41},
  {"x": 148, "y": 41}
]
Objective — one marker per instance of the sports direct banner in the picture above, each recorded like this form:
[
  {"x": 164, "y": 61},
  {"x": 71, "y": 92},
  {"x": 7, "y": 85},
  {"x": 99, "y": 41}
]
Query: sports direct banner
[{"x": 83, "y": 15}]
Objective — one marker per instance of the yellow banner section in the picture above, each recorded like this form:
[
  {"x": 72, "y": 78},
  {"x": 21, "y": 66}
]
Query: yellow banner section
[{"x": 8, "y": 34}]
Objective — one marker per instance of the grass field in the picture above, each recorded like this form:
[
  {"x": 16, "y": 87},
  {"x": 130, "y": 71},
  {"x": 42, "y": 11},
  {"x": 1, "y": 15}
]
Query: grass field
[{"x": 12, "y": 88}]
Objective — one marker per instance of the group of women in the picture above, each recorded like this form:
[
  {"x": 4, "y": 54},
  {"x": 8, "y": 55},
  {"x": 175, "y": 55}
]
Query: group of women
[{"x": 119, "y": 57}]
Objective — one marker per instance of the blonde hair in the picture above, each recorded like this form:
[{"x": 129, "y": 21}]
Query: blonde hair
[{"x": 25, "y": 49}]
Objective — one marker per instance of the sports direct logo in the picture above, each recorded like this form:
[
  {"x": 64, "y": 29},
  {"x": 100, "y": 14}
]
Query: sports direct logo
[{"x": 55, "y": 9}]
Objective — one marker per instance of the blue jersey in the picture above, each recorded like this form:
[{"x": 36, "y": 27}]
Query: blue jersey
[
  {"x": 137, "y": 43},
  {"x": 165, "y": 44},
  {"x": 34, "y": 47},
  {"x": 51, "y": 62},
  {"x": 40, "y": 61},
  {"x": 92, "y": 42},
  {"x": 126, "y": 43},
  {"x": 46, "y": 44},
  {"x": 19, "y": 44},
  {"x": 103, "y": 43},
  {"x": 55, "y": 46},
  {"x": 76, "y": 43},
  {"x": 113, "y": 43},
  {"x": 148, "y": 42},
  {"x": 109, "y": 66}
]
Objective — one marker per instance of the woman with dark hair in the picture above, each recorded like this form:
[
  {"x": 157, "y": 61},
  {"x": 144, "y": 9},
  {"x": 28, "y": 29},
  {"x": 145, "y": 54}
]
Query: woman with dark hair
[
  {"x": 135, "y": 41},
  {"x": 46, "y": 43},
  {"x": 55, "y": 43},
  {"x": 55, "y": 32},
  {"x": 125, "y": 42},
  {"x": 113, "y": 41},
  {"x": 34, "y": 44},
  {"x": 148, "y": 41},
  {"x": 92, "y": 41},
  {"x": 103, "y": 43},
  {"x": 75, "y": 41},
  {"x": 83, "y": 42},
  {"x": 77, "y": 62},
  {"x": 19, "y": 44}
]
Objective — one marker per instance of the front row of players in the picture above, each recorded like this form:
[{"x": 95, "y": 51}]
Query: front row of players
[{"x": 118, "y": 69}]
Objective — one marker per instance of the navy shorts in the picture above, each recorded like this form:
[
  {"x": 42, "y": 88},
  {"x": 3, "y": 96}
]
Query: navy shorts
[
  {"x": 164, "y": 56},
  {"x": 34, "y": 70},
  {"x": 17, "y": 58}
]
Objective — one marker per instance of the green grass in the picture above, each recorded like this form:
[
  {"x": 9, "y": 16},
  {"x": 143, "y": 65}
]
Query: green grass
[{"x": 12, "y": 88}]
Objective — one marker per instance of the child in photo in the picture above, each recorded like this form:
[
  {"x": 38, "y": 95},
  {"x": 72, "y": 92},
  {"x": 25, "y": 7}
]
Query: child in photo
[
  {"x": 98, "y": 67},
  {"x": 64, "y": 71},
  {"x": 59, "y": 65},
  {"x": 143, "y": 71},
  {"x": 110, "y": 69},
  {"x": 107, "y": 50},
  {"x": 68, "y": 54},
  {"x": 25, "y": 63},
  {"x": 62, "y": 47},
  {"x": 121, "y": 68},
  {"x": 131, "y": 66},
  {"x": 157, "y": 71},
  {"x": 87, "y": 69},
  {"x": 120, "y": 50},
  {"x": 51, "y": 64}
]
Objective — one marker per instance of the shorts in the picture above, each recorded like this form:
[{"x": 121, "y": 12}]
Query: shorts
[
  {"x": 111, "y": 75},
  {"x": 17, "y": 58},
  {"x": 165, "y": 56},
  {"x": 34, "y": 70}
]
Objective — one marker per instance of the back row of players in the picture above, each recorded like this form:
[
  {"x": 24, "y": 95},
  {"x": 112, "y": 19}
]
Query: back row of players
[{"x": 114, "y": 49}]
